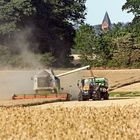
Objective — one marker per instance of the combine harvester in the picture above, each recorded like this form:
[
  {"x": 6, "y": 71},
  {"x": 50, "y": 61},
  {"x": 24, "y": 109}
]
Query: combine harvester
[{"x": 47, "y": 85}]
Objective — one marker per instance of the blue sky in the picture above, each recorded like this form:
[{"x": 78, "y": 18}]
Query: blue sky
[{"x": 97, "y": 8}]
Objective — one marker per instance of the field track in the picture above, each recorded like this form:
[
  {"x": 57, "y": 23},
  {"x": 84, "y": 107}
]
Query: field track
[
  {"x": 44, "y": 103},
  {"x": 111, "y": 102}
]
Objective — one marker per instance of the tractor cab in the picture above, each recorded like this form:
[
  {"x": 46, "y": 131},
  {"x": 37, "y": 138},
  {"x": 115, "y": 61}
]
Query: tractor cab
[{"x": 86, "y": 84}]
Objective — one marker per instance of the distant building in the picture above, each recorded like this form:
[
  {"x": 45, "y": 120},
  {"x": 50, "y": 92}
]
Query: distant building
[{"x": 105, "y": 26}]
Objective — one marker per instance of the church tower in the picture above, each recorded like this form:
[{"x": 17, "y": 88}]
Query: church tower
[{"x": 106, "y": 24}]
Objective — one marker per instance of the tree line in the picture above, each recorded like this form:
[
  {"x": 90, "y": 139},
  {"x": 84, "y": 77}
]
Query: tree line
[
  {"x": 50, "y": 29},
  {"x": 47, "y": 25},
  {"x": 118, "y": 47}
]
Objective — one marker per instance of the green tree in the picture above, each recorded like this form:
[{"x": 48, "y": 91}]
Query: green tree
[
  {"x": 86, "y": 44},
  {"x": 13, "y": 12},
  {"x": 127, "y": 52},
  {"x": 132, "y": 6},
  {"x": 105, "y": 49},
  {"x": 109, "y": 45},
  {"x": 51, "y": 21}
]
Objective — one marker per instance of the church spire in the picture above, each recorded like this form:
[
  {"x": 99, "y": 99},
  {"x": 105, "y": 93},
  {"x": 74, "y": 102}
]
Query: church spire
[{"x": 106, "y": 24}]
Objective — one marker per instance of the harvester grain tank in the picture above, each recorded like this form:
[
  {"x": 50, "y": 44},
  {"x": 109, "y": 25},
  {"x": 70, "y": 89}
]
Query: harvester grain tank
[
  {"x": 45, "y": 80},
  {"x": 47, "y": 85}
]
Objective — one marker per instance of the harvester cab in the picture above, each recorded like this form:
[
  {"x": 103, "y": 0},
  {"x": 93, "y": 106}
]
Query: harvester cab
[
  {"x": 93, "y": 88},
  {"x": 45, "y": 81}
]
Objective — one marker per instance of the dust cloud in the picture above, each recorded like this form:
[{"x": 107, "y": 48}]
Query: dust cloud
[
  {"x": 18, "y": 80},
  {"x": 22, "y": 42}
]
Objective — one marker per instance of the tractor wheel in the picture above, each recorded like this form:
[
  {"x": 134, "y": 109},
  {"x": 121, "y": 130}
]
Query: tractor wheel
[
  {"x": 106, "y": 96},
  {"x": 80, "y": 97},
  {"x": 99, "y": 96}
]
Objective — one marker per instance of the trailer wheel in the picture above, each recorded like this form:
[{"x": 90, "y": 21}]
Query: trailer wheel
[
  {"x": 99, "y": 97},
  {"x": 106, "y": 96},
  {"x": 80, "y": 97}
]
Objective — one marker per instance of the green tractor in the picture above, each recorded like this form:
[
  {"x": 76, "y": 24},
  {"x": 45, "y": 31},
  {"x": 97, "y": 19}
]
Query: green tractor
[{"x": 94, "y": 88}]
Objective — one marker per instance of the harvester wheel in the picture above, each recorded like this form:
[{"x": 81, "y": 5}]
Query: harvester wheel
[
  {"x": 69, "y": 97},
  {"x": 80, "y": 97},
  {"x": 106, "y": 96}
]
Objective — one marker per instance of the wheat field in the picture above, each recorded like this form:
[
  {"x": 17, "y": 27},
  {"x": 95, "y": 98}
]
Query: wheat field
[{"x": 70, "y": 123}]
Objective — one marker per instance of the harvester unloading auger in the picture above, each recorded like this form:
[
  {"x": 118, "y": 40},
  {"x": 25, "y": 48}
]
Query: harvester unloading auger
[{"x": 47, "y": 85}]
